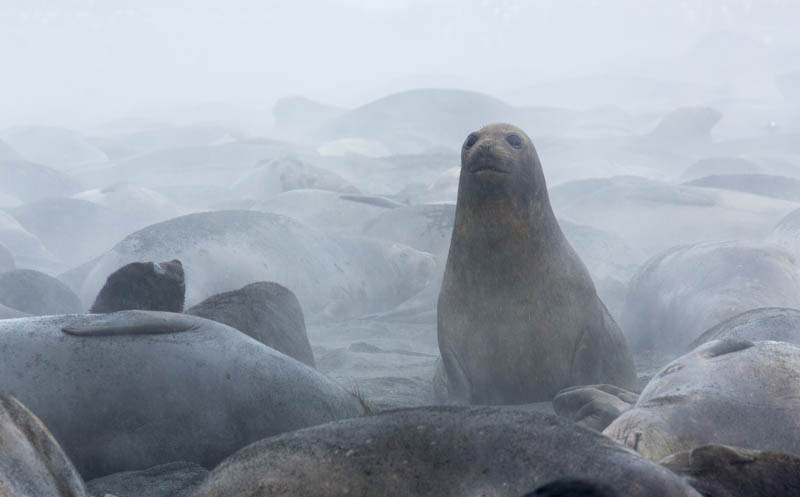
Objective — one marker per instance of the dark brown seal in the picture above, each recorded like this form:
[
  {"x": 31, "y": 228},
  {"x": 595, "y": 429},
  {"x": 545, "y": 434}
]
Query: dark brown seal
[{"x": 519, "y": 318}]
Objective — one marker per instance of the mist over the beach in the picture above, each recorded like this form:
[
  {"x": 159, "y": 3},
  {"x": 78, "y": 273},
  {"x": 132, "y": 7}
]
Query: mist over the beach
[{"x": 399, "y": 248}]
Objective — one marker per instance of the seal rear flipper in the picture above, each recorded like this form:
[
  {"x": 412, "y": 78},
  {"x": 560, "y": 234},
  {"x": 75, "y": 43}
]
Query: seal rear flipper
[{"x": 129, "y": 323}]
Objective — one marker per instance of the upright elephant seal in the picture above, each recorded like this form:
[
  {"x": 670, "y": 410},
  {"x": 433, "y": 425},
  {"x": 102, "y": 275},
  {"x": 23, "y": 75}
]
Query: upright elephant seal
[{"x": 519, "y": 318}]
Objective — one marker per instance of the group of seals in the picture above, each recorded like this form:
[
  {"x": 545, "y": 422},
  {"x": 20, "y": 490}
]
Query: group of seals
[{"x": 518, "y": 315}]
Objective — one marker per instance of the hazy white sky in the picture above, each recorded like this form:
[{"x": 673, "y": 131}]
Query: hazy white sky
[{"x": 84, "y": 60}]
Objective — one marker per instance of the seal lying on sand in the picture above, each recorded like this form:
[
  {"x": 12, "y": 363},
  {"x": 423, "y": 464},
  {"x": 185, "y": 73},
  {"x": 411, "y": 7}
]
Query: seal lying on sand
[
  {"x": 134, "y": 389},
  {"x": 443, "y": 451},
  {"x": 731, "y": 392},
  {"x": 519, "y": 318}
]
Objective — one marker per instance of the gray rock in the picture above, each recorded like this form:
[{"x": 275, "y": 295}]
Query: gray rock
[
  {"x": 148, "y": 286},
  {"x": 266, "y": 311},
  {"x": 36, "y": 293}
]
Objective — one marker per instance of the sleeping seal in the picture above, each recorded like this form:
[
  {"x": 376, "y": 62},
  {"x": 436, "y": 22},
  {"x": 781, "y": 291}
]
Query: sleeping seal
[
  {"x": 134, "y": 389},
  {"x": 442, "y": 451},
  {"x": 519, "y": 318}
]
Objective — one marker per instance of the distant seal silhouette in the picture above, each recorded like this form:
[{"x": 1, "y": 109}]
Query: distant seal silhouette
[{"x": 519, "y": 318}]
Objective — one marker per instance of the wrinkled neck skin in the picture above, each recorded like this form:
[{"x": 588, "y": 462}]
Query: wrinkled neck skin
[{"x": 502, "y": 219}]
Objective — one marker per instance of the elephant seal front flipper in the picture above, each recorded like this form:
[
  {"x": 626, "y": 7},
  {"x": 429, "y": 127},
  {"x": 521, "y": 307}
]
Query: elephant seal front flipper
[{"x": 130, "y": 323}]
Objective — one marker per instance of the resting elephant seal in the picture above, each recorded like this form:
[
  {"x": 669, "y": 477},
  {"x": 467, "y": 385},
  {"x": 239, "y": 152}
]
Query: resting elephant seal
[
  {"x": 731, "y": 392},
  {"x": 31, "y": 462},
  {"x": 443, "y": 451},
  {"x": 779, "y": 324},
  {"x": 135, "y": 389},
  {"x": 519, "y": 318}
]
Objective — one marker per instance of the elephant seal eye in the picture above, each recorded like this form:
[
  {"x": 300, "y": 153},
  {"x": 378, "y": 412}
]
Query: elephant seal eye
[
  {"x": 514, "y": 140},
  {"x": 471, "y": 139}
]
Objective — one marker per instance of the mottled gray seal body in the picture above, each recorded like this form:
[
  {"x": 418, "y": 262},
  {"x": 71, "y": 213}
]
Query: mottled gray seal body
[
  {"x": 519, "y": 318},
  {"x": 134, "y": 389},
  {"x": 31, "y": 462},
  {"x": 266, "y": 311},
  {"x": 441, "y": 451},
  {"x": 731, "y": 392}
]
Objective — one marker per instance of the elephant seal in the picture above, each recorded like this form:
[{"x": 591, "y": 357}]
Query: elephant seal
[
  {"x": 9, "y": 313},
  {"x": 266, "y": 311},
  {"x": 593, "y": 406},
  {"x": 147, "y": 286},
  {"x": 131, "y": 390},
  {"x": 32, "y": 463},
  {"x": 732, "y": 392},
  {"x": 519, "y": 318},
  {"x": 36, "y": 293},
  {"x": 177, "y": 479},
  {"x": 780, "y": 324},
  {"x": 446, "y": 451},
  {"x": 682, "y": 292},
  {"x": 723, "y": 471},
  {"x": 6, "y": 260}
]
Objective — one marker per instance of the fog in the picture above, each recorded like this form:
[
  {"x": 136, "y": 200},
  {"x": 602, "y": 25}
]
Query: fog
[
  {"x": 78, "y": 63},
  {"x": 399, "y": 247}
]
